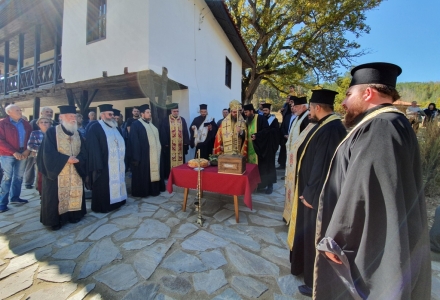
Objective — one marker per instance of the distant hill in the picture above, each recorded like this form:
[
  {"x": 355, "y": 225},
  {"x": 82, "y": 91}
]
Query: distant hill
[{"x": 422, "y": 92}]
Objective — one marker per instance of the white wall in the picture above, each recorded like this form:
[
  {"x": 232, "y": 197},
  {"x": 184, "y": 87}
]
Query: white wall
[
  {"x": 125, "y": 45},
  {"x": 195, "y": 53}
]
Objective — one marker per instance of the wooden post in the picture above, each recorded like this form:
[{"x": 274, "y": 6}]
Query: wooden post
[
  {"x": 20, "y": 60},
  {"x": 6, "y": 65},
  {"x": 36, "y": 108},
  {"x": 56, "y": 52},
  {"x": 37, "y": 54},
  {"x": 70, "y": 97}
]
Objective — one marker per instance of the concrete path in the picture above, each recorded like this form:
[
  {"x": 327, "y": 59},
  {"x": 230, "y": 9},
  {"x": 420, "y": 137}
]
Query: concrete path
[{"x": 150, "y": 249}]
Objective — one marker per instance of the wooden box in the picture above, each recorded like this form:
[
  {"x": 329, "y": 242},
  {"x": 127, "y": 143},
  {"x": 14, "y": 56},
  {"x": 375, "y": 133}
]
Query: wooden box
[{"x": 232, "y": 164}]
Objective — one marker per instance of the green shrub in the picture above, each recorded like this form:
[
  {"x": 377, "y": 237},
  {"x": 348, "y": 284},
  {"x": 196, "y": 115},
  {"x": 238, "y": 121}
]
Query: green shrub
[{"x": 429, "y": 141}]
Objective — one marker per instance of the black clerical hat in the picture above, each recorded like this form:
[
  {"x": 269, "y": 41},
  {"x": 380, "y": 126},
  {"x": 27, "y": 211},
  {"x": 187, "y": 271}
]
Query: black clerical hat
[
  {"x": 323, "y": 96},
  {"x": 105, "y": 107},
  {"x": 300, "y": 100},
  {"x": 379, "y": 72},
  {"x": 266, "y": 105},
  {"x": 203, "y": 106},
  {"x": 293, "y": 98},
  {"x": 144, "y": 107},
  {"x": 67, "y": 109},
  {"x": 173, "y": 106},
  {"x": 116, "y": 112},
  {"x": 248, "y": 107}
]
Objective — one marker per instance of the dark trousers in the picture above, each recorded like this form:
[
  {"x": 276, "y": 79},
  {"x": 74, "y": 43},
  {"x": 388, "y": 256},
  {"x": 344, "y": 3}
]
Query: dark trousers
[{"x": 29, "y": 171}]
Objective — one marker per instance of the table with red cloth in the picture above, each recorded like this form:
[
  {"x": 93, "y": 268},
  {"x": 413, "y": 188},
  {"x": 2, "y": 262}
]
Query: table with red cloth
[{"x": 212, "y": 181}]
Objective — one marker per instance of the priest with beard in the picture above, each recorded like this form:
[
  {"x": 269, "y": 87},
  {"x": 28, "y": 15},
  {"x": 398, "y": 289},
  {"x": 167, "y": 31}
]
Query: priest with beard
[
  {"x": 145, "y": 155},
  {"x": 372, "y": 227},
  {"x": 105, "y": 163},
  {"x": 202, "y": 132},
  {"x": 61, "y": 161},
  {"x": 266, "y": 143},
  {"x": 314, "y": 156},
  {"x": 299, "y": 124},
  {"x": 231, "y": 137},
  {"x": 255, "y": 123},
  {"x": 174, "y": 139}
]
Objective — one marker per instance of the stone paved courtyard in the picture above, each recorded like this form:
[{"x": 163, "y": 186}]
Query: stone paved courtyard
[{"x": 150, "y": 249}]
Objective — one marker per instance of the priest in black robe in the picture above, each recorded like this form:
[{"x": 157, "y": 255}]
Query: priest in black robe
[
  {"x": 266, "y": 143},
  {"x": 314, "y": 156},
  {"x": 202, "y": 133},
  {"x": 372, "y": 223},
  {"x": 145, "y": 155},
  {"x": 174, "y": 139},
  {"x": 105, "y": 162},
  {"x": 61, "y": 161}
]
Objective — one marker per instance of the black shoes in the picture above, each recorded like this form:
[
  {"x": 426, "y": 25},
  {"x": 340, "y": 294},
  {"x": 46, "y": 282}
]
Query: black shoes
[
  {"x": 269, "y": 190},
  {"x": 305, "y": 290},
  {"x": 19, "y": 201},
  {"x": 28, "y": 186},
  {"x": 2, "y": 210},
  {"x": 56, "y": 227}
]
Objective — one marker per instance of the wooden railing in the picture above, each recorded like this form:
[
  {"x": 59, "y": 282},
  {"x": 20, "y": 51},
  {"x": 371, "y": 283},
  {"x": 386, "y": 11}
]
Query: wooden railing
[{"x": 44, "y": 75}]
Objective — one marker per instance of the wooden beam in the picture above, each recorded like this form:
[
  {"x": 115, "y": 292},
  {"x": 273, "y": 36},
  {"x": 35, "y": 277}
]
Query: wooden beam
[
  {"x": 6, "y": 67},
  {"x": 20, "y": 60},
  {"x": 11, "y": 60},
  {"x": 37, "y": 53},
  {"x": 57, "y": 51},
  {"x": 70, "y": 97},
  {"x": 89, "y": 101},
  {"x": 36, "y": 108}
]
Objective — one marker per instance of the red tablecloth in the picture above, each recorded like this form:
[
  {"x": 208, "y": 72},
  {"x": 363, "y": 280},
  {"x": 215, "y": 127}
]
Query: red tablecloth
[{"x": 212, "y": 181}]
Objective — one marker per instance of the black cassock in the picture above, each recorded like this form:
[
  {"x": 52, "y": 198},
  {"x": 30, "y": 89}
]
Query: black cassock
[
  {"x": 98, "y": 170},
  {"x": 207, "y": 146},
  {"x": 50, "y": 163},
  {"x": 165, "y": 140},
  {"x": 374, "y": 209},
  {"x": 141, "y": 185},
  {"x": 266, "y": 146},
  {"x": 312, "y": 174}
]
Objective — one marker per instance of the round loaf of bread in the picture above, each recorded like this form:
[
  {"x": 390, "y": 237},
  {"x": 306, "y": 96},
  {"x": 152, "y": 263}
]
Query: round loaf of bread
[{"x": 194, "y": 163}]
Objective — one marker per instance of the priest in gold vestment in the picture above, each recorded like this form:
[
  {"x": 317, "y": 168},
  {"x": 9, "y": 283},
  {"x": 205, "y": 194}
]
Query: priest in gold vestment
[
  {"x": 231, "y": 137},
  {"x": 61, "y": 161}
]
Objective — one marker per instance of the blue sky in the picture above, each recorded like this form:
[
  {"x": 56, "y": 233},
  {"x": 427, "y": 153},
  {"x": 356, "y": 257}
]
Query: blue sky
[{"x": 407, "y": 33}]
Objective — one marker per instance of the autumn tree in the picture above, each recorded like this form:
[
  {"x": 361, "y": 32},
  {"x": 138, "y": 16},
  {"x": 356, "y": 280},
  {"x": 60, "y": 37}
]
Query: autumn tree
[{"x": 290, "y": 39}]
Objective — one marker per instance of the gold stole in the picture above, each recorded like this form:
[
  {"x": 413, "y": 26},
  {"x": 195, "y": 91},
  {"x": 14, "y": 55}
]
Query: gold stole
[
  {"x": 294, "y": 210},
  {"x": 290, "y": 184},
  {"x": 155, "y": 148},
  {"x": 176, "y": 143},
  {"x": 70, "y": 184},
  {"x": 229, "y": 136}
]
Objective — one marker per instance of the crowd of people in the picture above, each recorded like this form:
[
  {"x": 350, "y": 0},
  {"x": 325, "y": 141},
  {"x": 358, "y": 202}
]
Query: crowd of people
[{"x": 354, "y": 201}]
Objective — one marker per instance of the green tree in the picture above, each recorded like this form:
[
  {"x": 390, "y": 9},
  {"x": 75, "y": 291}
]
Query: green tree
[{"x": 291, "y": 39}]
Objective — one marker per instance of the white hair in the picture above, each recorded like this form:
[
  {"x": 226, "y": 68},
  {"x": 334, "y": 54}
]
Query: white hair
[
  {"x": 8, "y": 108},
  {"x": 306, "y": 105},
  {"x": 44, "y": 108}
]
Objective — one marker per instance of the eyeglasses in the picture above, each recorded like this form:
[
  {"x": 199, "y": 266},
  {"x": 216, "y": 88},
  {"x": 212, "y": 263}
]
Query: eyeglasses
[{"x": 44, "y": 123}]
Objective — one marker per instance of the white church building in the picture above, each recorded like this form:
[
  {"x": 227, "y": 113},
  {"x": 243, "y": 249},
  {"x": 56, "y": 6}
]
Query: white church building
[{"x": 90, "y": 52}]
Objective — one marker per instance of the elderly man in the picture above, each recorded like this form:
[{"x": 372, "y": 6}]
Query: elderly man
[
  {"x": 320, "y": 140},
  {"x": 61, "y": 161},
  {"x": 372, "y": 224},
  {"x": 14, "y": 135},
  {"x": 105, "y": 163},
  {"x": 174, "y": 138},
  {"x": 202, "y": 132},
  {"x": 146, "y": 152},
  {"x": 300, "y": 109},
  {"x": 231, "y": 137}
]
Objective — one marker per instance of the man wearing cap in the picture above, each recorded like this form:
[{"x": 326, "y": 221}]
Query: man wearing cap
[
  {"x": 372, "y": 228},
  {"x": 318, "y": 143},
  {"x": 145, "y": 155},
  {"x": 266, "y": 144},
  {"x": 255, "y": 123},
  {"x": 61, "y": 160},
  {"x": 231, "y": 137},
  {"x": 106, "y": 167},
  {"x": 174, "y": 138},
  {"x": 202, "y": 132},
  {"x": 118, "y": 120}
]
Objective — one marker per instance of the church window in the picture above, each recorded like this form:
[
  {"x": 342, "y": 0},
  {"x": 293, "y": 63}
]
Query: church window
[{"x": 96, "y": 20}]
